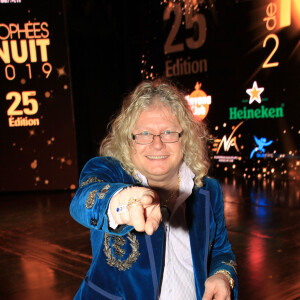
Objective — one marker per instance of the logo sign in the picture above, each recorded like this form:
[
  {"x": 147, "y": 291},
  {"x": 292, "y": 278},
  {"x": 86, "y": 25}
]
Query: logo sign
[
  {"x": 260, "y": 150},
  {"x": 262, "y": 112},
  {"x": 227, "y": 143},
  {"x": 254, "y": 93},
  {"x": 199, "y": 102}
]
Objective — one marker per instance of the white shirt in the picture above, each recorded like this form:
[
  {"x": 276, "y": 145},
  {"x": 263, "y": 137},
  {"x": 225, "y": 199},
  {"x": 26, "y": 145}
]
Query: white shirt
[{"x": 178, "y": 276}]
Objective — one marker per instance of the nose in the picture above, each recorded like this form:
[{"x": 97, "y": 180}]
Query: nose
[{"x": 157, "y": 143}]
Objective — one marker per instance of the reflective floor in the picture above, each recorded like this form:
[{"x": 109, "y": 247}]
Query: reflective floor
[{"x": 44, "y": 254}]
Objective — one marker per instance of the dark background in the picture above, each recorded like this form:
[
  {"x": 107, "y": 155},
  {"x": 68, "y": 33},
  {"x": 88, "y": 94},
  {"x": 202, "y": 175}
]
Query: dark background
[
  {"x": 106, "y": 40},
  {"x": 108, "y": 47},
  {"x": 109, "y": 39}
]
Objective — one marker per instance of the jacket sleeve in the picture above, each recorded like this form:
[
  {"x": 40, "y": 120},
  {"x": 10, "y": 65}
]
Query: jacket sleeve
[
  {"x": 100, "y": 179},
  {"x": 221, "y": 254}
]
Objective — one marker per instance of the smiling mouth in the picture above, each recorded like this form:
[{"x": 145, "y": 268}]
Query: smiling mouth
[{"x": 157, "y": 157}]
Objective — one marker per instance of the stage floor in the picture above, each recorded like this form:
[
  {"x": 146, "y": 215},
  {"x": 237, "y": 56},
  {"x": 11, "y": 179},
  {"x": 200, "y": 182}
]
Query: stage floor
[{"x": 44, "y": 253}]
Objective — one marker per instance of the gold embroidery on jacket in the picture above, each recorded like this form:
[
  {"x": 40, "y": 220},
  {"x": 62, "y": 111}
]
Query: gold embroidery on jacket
[
  {"x": 90, "y": 200},
  {"x": 104, "y": 191},
  {"x": 90, "y": 180},
  {"x": 231, "y": 264},
  {"x": 119, "y": 242}
]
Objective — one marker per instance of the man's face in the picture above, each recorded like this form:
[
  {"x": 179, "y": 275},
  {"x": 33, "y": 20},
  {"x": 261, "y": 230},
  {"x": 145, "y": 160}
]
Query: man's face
[{"x": 157, "y": 161}]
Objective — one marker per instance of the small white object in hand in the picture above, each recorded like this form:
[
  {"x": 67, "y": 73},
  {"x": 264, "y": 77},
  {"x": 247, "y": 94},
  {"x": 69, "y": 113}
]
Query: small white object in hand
[{"x": 121, "y": 209}]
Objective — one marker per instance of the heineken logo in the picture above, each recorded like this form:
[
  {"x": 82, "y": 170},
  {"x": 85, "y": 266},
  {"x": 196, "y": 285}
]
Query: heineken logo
[{"x": 262, "y": 112}]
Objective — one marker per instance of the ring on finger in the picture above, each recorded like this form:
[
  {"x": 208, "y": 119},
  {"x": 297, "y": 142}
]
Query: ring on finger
[{"x": 133, "y": 202}]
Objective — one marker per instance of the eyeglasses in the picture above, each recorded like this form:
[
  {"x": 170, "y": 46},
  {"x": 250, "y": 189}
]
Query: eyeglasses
[{"x": 146, "y": 137}]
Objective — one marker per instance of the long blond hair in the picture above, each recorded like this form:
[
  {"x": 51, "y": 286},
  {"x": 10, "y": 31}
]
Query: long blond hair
[{"x": 118, "y": 142}]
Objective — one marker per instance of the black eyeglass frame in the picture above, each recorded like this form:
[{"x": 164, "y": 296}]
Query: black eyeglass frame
[{"x": 153, "y": 135}]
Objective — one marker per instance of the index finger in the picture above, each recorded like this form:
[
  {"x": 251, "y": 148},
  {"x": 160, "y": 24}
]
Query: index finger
[
  {"x": 153, "y": 219},
  {"x": 137, "y": 217}
]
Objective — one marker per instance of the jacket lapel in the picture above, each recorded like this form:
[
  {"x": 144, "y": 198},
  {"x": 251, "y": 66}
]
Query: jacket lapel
[
  {"x": 198, "y": 219},
  {"x": 155, "y": 248},
  {"x": 198, "y": 222}
]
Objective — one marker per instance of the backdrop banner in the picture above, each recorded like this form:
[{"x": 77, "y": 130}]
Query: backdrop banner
[
  {"x": 239, "y": 63},
  {"x": 37, "y": 131}
]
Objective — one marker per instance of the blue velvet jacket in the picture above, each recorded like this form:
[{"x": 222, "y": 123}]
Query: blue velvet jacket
[{"x": 127, "y": 264}]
